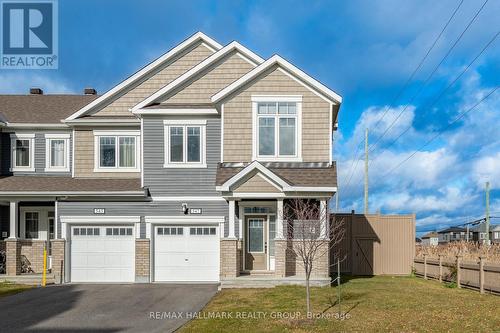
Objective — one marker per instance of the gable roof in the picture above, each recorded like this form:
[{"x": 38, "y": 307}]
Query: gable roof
[
  {"x": 233, "y": 46},
  {"x": 199, "y": 36},
  {"x": 431, "y": 234},
  {"x": 40, "y": 109},
  {"x": 276, "y": 60},
  {"x": 288, "y": 177}
]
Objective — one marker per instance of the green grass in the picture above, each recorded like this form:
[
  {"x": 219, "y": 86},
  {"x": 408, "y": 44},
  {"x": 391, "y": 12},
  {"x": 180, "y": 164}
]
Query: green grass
[
  {"x": 382, "y": 303},
  {"x": 7, "y": 288}
]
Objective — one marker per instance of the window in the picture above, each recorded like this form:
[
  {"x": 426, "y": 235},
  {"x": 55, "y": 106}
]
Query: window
[
  {"x": 51, "y": 219},
  {"x": 86, "y": 231},
  {"x": 497, "y": 234},
  {"x": 170, "y": 231},
  {"x": 185, "y": 143},
  {"x": 117, "y": 151},
  {"x": 255, "y": 235},
  {"x": 277, "y": 128},
  {"x": 57, "y": 152},
  {"x": 118, "y": 231},
  {"x": 203, "y": 231},
  {"x": 31, "y": 220},
  {"x": 22, "y": 152}
]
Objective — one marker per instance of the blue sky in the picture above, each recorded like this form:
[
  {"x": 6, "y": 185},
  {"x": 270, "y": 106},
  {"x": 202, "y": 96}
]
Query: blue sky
[{"x": 364, "y": 50}]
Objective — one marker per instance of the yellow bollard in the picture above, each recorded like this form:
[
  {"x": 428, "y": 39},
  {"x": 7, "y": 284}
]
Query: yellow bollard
[{"x": 44, "y": 273}]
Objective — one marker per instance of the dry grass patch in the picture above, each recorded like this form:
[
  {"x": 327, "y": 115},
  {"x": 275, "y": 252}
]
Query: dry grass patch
[
  {"x": 8, "y": 288},
  {"x": 377, "y": 304}
]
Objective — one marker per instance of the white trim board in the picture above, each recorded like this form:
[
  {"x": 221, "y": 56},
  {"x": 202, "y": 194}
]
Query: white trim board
[
  {"x": 147, "y": 69},
  {"x": 100, "y": 219},
  {"x": 167, "y": 112},
  {"x": 233, "y": 46},
  {"x": 185, "y": 219},
  {"x": 184, "y": 199},
  {"x": 291, "y": 69}
]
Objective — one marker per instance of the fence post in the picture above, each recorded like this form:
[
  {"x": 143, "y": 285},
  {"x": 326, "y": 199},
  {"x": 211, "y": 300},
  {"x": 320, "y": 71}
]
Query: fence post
[
  {"x": 481, "y": 275},
  {"x": 425, "y": 266},
  {"x": 458, "y": 271},
  {"x": 440, "y": 268}
]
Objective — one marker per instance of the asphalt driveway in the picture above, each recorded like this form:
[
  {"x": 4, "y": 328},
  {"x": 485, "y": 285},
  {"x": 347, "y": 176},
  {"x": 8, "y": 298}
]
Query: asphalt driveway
[{"x": 103, "y": 308}]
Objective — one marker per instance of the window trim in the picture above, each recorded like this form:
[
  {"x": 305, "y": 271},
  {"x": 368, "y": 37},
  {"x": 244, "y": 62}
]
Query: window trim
[
  {"x": 255, "y": 128},
  {"x": 31, "y": 139},
  {"x": 117, "y": 135},
  {"x": 48, "y": 152},
  {"x": 184, "y": 123}
]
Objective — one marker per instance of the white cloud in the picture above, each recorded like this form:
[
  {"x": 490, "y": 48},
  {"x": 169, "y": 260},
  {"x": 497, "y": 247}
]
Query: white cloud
[
  {"x": 486, "y": 169},
  {"x": 20, "y": 83}
]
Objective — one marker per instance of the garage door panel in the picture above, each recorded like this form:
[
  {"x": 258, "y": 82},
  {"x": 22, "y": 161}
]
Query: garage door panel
[
  {"x": 101, "y": 257},
  {"x": 186, "y": 257}
]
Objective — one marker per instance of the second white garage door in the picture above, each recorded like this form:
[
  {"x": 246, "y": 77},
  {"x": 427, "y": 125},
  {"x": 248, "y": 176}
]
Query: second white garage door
[
  {"x": 102, "y": 254},
  {"x": 186, "y": 254}
]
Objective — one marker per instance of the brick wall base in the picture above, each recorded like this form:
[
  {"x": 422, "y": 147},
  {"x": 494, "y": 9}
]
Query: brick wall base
[
  {"x": 33, "y": 251},
  {"x": 142, "y": 260},
  {"x": 288, "y": 263},
  {"x": 230, "y": 258},
  {"x": 12, "y": 252},
  {"x": 58, "y": 247}
]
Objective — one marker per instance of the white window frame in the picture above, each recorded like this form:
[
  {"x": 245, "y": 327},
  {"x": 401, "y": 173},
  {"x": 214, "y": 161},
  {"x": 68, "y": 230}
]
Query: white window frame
[
  {"x": 48, "y": 152},
  {"x": 31, "y": 139},
  {"x": 256, "y": 99},
  {"x": 202, "y": 124},
  {"x": 117, "y": 135}
]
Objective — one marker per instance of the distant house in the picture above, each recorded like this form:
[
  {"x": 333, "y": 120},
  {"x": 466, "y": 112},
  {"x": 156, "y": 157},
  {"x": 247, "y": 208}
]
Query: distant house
[
  {"x": 430, "y": 239},
  {"x": 479, "y": 232},
  {"x": 453, "y": 234}
]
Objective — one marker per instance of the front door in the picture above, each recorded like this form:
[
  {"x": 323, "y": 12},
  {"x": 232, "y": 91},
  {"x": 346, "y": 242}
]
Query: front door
[{"x": 256, "y": 243}]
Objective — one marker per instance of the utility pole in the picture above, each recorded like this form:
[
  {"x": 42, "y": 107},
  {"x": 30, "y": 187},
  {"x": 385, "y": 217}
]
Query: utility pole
[
  {"x": 487, "y": 238},
  {"x": 366, "y": 171}
]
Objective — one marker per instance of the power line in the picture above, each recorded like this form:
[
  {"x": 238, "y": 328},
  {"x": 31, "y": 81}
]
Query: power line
[
  {"x": 351, "y": 170},
  {"x": 440, "y": 95},
  {"x": 460, "y": 116},
  {"x": 427, "y": 80}
]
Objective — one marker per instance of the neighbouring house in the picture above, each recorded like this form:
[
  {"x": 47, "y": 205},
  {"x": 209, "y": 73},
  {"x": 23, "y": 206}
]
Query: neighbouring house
[
  {"x": 177, "y": 174},
  {"x": 453, "y": 234},
  {"x": 479, "y": 232},
  {"x": 430, "y": 239}
]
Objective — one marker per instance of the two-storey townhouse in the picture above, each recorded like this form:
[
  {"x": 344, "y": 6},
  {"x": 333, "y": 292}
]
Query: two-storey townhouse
[{"x": 178, "y": 174}]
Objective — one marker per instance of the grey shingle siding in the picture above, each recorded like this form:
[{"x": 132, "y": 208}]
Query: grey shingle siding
[
  {"x": 209, "y": 208},
  {"x": 183, "y": 181}
]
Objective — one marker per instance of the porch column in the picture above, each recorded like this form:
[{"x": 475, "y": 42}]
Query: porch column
[
  {"x": 13, "y": 220},
  {"x": 279, "y": 219},
  {"x": 324, "y": 226},
  {"x": 231, "y": 219}
]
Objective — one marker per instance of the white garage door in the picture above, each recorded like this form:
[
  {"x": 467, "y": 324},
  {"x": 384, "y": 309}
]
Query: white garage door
[
  {"x": 186, "y": 254},
  {"x": 102, "y": 254}
]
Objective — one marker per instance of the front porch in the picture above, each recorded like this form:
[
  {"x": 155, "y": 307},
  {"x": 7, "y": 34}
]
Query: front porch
[{"x": 27, "y": 228}]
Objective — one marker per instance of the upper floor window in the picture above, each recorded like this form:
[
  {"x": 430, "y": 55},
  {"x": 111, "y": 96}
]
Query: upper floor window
[
  {"x": 117, "y": 151},
  {"x": 185, "y": 143},
  {"x": 277, "y": 124},
  {"x": 57, "y": 152},
  {"x": 23, "y": 155}
]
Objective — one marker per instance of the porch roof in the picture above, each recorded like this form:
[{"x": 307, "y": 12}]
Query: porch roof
[
  {"x": 295, "y": 174},
  {"x": 54, "y": 185}
]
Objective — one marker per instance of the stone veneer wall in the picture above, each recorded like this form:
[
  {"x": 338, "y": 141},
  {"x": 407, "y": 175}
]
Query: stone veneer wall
[
  {"x": 58, "y": 251},
  {"x": 230, "y": 259},
  {"x": 142, "y": 260},
  {"x": 33, "y": 251},
  {"x": 12, "y": 252},
  {"x": 287, "y": 263}
]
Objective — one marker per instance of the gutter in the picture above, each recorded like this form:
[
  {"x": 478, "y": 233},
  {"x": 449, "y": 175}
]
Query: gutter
[
  {"x": 75, "y": 193},
  {"x": 102, "y": 122},
  {"x": 33, "y": 125}
]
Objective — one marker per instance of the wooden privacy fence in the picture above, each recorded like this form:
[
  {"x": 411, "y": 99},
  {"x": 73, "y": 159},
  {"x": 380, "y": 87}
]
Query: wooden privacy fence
[
  {"x": 477, "y": 275},
  {"x": 375, "y": 244}
]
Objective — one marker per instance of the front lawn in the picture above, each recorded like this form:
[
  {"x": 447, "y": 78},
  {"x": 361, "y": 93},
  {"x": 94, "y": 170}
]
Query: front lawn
[
  {"x": 7, "y": 288},
  {"x": 379, "y": 303}
]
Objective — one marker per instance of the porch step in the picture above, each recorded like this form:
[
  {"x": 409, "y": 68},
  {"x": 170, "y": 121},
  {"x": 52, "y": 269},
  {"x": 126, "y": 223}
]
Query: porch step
[
  {"x": 30, "y": 279},
  {"x": 252, "y": 281}
]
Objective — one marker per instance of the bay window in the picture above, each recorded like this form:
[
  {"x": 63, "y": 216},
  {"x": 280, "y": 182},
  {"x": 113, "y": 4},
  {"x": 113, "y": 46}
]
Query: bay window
[
  {"x": 23, "y": 154},
  {"x": 117, "y": 151},
  {"x": 277, "y": 128},
  {"x": 57, "y": 152},
  {"x": 185, "y": 143}
]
